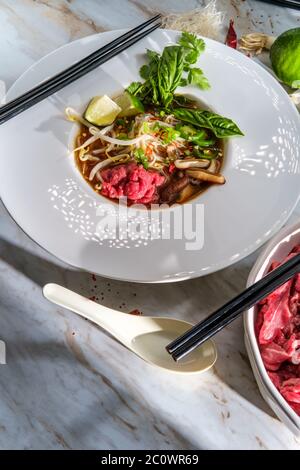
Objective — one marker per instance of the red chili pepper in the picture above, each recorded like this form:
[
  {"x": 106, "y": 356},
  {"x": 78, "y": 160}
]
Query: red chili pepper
[
  {"x": 136, "y": 311},
  {"x": 172, "y": 168},
  {"x": 149, "y": 150},
  {"x": 231, "y": 38}
]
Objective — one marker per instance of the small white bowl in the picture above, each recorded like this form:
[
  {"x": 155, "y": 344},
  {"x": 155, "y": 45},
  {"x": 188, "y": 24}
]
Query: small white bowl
[{"x": 277, "y": 249}]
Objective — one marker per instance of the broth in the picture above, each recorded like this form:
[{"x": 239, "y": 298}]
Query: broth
[{"x": 173, "y": 177}]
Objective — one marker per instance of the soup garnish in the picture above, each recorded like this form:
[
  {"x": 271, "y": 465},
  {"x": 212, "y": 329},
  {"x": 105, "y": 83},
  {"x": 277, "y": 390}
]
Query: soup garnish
[{"x": 149, "y": 144}]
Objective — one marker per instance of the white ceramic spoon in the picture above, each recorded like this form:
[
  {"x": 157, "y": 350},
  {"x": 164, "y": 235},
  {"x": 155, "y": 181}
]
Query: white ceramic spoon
[{"x": 145, "y": 336}]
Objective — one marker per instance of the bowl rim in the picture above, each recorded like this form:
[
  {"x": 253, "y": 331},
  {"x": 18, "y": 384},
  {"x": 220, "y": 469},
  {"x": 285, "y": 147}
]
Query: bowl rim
[{"x": 260, "y": 267}]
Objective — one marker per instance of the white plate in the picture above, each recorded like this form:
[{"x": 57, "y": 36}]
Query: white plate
[{"x": 48, "y": 198}]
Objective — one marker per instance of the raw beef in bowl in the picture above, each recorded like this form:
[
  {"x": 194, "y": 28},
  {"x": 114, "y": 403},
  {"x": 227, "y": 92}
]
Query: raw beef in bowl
[{"x": 272, "y": 333}]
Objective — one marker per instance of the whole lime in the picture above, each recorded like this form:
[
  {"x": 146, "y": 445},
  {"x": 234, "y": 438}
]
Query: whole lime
[{"x": 285, "y": 57}]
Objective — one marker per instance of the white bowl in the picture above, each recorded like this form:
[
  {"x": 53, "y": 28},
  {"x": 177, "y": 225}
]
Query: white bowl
[
  {"x": 277, "y": 249},
  {"x": 47, "y": 196}
]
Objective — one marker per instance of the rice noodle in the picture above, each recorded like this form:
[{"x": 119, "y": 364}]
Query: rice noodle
[{"x": 205, "y": 21}]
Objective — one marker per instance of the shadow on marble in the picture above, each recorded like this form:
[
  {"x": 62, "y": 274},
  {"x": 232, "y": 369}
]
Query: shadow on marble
[
  {"x": 105, "y": 401},
  {"x": 194, "y": 298}
]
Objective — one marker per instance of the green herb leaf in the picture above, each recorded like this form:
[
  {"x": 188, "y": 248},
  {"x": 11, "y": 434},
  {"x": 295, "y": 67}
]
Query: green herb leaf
[
  {"x": 194, "y": 46},
  {"x": 122, "y": 136},
  {"x": 165, "y": 72},
  {"x": 144, "y": 71},
  {"x": 120, "y": 122},
  {"x": 169, "y": 135},
  {"x": 146, "y": 128},
  {"x": 141, "y": 158},
  {"x": 153, "y": 55},
  {"x": 134, "y": 88},
  {"x": 170, "y": 68},
  {"x": 197, "y": 77},
  {"x": 220, "y": 126},
  {"x": 183, "y": 82}
]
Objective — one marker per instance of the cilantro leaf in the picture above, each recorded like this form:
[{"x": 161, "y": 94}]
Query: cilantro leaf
[
  {"x": 144, "y": 71},
  {"x": 134, "y": 88},
  {"x": 194, "y": 46},
  {"x": 197, "y": 77}
]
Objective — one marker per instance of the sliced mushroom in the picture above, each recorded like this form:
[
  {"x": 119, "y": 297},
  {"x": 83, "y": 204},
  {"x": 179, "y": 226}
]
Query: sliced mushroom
[
  {"x": 204, "y": 175},
  {"x": 186, "y": 193},
  {"x": 214, "y": 166},
  {"x": 170, "y": 192},
  {"x": 191, "y": 163}
]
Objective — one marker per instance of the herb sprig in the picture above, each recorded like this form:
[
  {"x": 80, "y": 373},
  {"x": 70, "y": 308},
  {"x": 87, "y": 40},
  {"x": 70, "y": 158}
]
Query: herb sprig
[{"x": 173, "y": 68}]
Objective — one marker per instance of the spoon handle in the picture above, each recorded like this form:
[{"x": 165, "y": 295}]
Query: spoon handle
[{"x": 109, "y": 319}]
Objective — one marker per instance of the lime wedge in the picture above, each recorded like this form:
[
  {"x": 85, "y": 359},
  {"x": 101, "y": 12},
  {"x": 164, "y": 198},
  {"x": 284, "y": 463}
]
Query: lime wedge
[
  {"x": 102, "y": 111},
  {"x": 129, "y": 104}
]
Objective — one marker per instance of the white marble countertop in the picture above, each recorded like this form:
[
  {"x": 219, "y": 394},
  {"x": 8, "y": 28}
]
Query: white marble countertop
[{"x": 68, "y": 385}]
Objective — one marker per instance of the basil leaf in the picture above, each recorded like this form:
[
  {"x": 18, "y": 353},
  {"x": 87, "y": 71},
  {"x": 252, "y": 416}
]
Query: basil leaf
[
  {"x": 222, "y": 126},
  {"x": 170, "y": 68},
  {"x": 192, "y": 116},
  {"x": 219, "y": 125},
  {"x": 197, "y": 77},
  {"x": 164, "y": 73},
  {"x": 152, "y": 84}
]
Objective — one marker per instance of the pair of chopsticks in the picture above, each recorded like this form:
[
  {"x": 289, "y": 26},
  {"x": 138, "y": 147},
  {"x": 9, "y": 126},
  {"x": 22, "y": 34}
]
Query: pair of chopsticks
[
  {"x": 284, "y": 3},
  {"x": 204, "y": 330},
  {"x": 77, "y": 70}
]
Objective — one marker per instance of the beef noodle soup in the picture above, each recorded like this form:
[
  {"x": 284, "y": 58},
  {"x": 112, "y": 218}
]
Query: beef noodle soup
[
  {"x": 149, "y": 144},
  {"x": 151, "y": 157}
]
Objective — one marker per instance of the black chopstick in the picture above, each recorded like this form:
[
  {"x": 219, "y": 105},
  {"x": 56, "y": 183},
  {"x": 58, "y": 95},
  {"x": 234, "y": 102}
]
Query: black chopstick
[
  {"x": 76, "y": 71},
  {"x": 226, "y": 314},
  {"x": 85, "y": 61},
  {"x": 284, "y": 3},
  {"x": 40, "y": 92},
  {"x": 232, "y": 304}
]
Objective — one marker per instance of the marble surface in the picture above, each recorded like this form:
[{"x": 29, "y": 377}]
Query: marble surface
[{"x": 66, "y": 384}]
